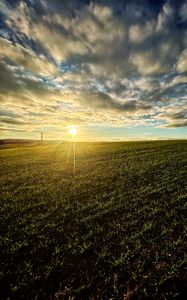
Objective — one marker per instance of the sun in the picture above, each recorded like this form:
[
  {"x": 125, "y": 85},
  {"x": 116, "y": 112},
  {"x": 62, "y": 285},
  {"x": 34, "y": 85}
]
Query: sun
[{"x": 72, "y": 130}]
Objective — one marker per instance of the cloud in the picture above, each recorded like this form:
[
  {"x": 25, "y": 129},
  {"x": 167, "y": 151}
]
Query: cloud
[
  {"x": 177, "y": 119},
  {"x": 178, "y": 124},
  {"x": 147, "y": 64},
  {"x": 183, "y": 12},
  {"x": 98, "y": 62},
  {"x": 139, "y": 33},
  {"x": 182, "y": 62},
  {"x": 22, "y": 57},
  {"x": 179, "y": 79},
  {"x": 148, "y": 84},
  {"x": 173, "y": 116},
  {"x": 102, "y": 101},
  {"x": 12, "y": 121}
]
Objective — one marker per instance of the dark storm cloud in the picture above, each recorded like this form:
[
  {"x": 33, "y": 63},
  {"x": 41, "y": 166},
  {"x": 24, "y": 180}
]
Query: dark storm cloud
[{"x": 113, "y": 56}]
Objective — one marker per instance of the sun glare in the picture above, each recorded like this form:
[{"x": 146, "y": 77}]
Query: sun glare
[{"x": 72, "y": 130}]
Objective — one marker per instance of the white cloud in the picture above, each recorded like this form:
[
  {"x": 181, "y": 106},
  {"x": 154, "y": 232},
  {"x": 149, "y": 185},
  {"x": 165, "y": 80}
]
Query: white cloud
[
  {"x": 182, "y": 62},
  {"x": 19, "y": 19},
  {"x": 165, "y": 18},
  {"x": 179, "y": 79},
  {"x": 138, "y": 33},
  {"x": 147, "y": 64},
  {"x": 26, "y": 58}
]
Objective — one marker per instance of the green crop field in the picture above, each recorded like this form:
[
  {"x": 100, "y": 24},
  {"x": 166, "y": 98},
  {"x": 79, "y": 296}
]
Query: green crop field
[{"x": 113, "y": 229}]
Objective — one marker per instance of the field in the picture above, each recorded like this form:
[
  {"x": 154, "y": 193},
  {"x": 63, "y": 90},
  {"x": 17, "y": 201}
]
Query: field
[{"x": 114, "y": 229}]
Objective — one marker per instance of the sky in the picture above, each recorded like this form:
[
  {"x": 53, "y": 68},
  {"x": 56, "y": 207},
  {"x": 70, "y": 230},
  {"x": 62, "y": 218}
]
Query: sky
[{"x": 116, "y": 70}]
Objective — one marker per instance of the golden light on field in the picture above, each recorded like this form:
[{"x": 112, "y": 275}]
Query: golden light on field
[{"x": 72, "y": 130}]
